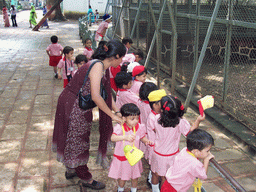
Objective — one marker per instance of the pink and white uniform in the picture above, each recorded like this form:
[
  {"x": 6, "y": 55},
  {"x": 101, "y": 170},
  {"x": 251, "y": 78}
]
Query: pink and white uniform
[
  {"x": 124, "y": 96},
  {"x": 136, "y": 87},
  {"x": 167, "y": 145},
  {"x": 55, "y": 49},
  {"x": 88, "y": 52},
  {"x": 184, "y": 170},
  {"x": 70, "y": 67},
  {"x": 150, "y": 127},
  {"x": 120, "y": 167},
  {"x": 101, "y": 29},
  {"x": 144, "y": 112}
]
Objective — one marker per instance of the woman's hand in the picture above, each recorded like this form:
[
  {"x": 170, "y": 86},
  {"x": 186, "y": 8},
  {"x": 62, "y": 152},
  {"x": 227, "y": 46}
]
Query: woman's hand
[{"x": 117, "y": 119}]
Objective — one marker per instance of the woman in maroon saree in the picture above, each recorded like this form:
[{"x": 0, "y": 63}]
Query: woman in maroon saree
[
  {"x": 72, "y": 125},
  {"x": 5, "y": 17}
]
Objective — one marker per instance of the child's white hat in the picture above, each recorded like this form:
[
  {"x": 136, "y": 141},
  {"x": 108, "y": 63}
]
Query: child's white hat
[{"x": 131, "y": 66}]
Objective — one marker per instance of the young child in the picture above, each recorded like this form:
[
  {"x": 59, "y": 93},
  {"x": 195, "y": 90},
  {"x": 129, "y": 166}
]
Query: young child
[
  {"x": 54, "y": 52},
  {"x": 101, "y": 31},
  {"x": 186, "y": 167},
  {"x": 143, "y": 105},
  {"x": 66, "y": 65},
  {"x": 124, "y": 82},
  {"x": 80, "y": 60},
  {"x": 154, "y": 98},
  {"x": 120, "y": 168},
  {"x": 136, "y": 56},
  {"x": 97, "y": 16},
  {"x": 168, "y": 128},
  {"x": 127, "y": 43},
  {"x": 88, "y": 51},
  {"x": 139, "y": 74}
]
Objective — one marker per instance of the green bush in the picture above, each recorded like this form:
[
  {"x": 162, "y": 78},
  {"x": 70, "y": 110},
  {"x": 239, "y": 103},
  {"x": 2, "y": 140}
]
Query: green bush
[
  {"x": 19, "y": 7},
  {"x": 73, "y": 14}
]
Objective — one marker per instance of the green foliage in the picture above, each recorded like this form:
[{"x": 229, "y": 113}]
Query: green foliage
[{"x": 74, "y": 15}]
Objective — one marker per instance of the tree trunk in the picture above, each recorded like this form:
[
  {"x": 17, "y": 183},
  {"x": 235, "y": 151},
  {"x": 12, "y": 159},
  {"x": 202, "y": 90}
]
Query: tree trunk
[
  {"x": 57, "y": 14},
  {"x": 54, "y": 7}
]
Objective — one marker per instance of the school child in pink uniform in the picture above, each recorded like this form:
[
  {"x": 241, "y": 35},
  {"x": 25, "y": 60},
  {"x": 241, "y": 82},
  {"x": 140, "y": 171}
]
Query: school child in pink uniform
[
  {"x": 101, "y": 31},
  {"x": 88, "y": 51},
  {"x": 154, "y": 98},
  {"x": 168, "y": 128},
  {"x": 80, "y": 60},
  {"x": 123, "y": 81},
  {"x": 120, "y": 168},
  {"x": 143, "y": 104},
  {"x": 54, "y": 51},
  {"x": 66, "y": 65},
  {"x": 127, "y": 43},
  {"x": 187, "y": 167},
  {"x": 139, "y": 74},
  {"x": 136, "y": 56}
]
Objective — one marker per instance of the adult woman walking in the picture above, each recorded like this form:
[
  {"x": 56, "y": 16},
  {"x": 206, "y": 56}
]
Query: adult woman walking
[
  {"x": 13, "y": 16},
  {"x": 32, "y": 17},
  {"x": 72, "y": 124},
  {"x": 44, "y": 13},
  {"x": 5, "y": 17}
]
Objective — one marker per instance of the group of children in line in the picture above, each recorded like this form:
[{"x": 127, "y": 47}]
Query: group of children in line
[{"x": 153, "y": 122}]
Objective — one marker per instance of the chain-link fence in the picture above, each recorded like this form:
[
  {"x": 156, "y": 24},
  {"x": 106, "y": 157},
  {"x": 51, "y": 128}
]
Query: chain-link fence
[{"x": 228, "y": 70}]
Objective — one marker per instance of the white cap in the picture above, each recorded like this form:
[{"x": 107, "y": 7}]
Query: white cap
[{"x": 131, "y": 66}]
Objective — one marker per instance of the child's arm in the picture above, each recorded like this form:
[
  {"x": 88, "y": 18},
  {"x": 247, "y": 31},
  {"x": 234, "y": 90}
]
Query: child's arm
[
  {"x": 206, "y": 161},
  {"x": 146, "y": 141},
  {"x": 196, "y": 123},
  {"x": 116, "y": 138},
  {"x": 48, "y": 53},
  {"x": 59, "y": 73}
]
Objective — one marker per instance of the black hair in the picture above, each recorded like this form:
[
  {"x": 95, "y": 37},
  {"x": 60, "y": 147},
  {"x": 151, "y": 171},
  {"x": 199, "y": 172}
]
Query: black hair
[
  {"x": 124, "y": 66},
  {"x": 54, "y": 39},
  {"x": 145, "y": 89},
  {"x": 122, "y": 78},
  {"x": 199, "y": 139},
  {"x": 87, "y": 39},
  {"x": 90, "y": 6},
  {"x": 139, "y": 52},
  {"x": 142, "y": 73},
  {"x": 171, "y": 111},
  {"x": 126, "y": 40},
  {"x": 67, "y": 49},
  {"x": 114, "y": 48},
  {"x": 80, "y": 58},
  {"x": 102, "y": 43},
  {"x": 13, "y": 8},
  {"x": 152, "y": 103},
  {"x": 129, "y": 109}
]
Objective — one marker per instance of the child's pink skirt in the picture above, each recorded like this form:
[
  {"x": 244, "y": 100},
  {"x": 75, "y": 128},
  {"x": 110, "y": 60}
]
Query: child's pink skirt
[{"x": 123, "y": 170}]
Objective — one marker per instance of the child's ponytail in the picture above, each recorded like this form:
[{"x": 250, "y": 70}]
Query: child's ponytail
[{"x": 172, "y": 111}]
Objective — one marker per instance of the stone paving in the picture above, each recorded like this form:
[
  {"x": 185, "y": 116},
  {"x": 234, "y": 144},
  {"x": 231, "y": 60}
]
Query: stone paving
[{"x": 28, "y": 97}]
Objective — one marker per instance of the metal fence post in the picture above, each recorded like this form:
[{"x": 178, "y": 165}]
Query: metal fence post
[
  {"x": 136, "y": 19},
  {"x": 227, "y": 51},
  {"x": 118, "y": 19},
  {"x": 200, "y": 60}
]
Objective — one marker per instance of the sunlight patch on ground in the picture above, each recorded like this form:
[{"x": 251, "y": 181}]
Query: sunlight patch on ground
[{"x": 214, "y": 77}]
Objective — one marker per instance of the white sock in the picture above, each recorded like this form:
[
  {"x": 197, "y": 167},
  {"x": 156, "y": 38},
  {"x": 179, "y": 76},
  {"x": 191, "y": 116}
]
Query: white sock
[
  {"x": 133, "y": 189},
  {"x": 120, "y": 188},
  {"x": 149, "y": 176},
  {"x": 155, "y": 188}
]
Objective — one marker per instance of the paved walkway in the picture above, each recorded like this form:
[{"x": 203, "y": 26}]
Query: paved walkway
[{"x": 28, "y": 97}]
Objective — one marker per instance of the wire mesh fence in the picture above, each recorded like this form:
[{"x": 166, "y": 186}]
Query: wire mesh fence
[{"x": 228, "y": 69}]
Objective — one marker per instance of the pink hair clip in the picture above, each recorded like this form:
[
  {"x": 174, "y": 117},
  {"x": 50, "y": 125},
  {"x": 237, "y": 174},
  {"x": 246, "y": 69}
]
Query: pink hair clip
[{"x": 181, "y": 107}]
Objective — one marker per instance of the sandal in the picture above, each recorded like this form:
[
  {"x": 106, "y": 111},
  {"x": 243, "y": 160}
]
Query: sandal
[
  {"x": 70, "y": 175},
  {"x": 94, "y": 185}
]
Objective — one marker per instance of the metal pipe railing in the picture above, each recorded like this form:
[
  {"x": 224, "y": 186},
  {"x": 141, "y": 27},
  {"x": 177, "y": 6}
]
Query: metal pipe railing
[{"x": 232, "y": 182}]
